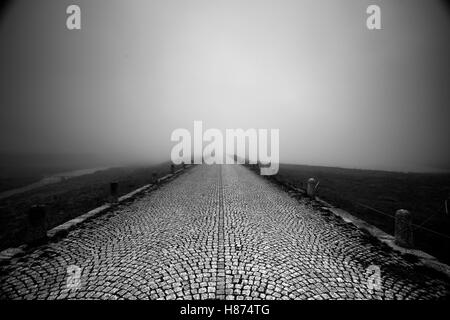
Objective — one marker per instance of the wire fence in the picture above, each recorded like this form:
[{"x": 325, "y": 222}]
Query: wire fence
[
  {"x": 416, "y": 226},
  {"x": 302, "y": 186}
]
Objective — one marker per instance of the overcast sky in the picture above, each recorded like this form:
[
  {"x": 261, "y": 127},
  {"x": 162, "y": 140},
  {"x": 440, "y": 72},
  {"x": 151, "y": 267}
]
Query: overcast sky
[{"x": 340, "y": 94}]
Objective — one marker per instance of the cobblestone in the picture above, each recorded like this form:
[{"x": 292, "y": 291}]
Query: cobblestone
[{"x": 216, "y": 232}]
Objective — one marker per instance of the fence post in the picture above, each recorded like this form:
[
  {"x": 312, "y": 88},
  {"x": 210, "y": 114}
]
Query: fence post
[
  {"x": 172, "y": 168},
  {"x": 184, "y": 165},
  {"x": 37, "y": 223},
  {"x": 114, "y": 191},
  {"x": 403, "y": 229},
  {"x": 311, "y": 188}
]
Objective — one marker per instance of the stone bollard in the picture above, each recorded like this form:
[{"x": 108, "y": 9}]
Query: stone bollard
[
  {"x": 172, "y": 168},
  {"x": 311, "y": 188},
  {"x": 155, "y": 178},
  {"x": 114, "y": 191},
  {"x": 404, "y": 229},
  {"x": 37, "y": 224}
]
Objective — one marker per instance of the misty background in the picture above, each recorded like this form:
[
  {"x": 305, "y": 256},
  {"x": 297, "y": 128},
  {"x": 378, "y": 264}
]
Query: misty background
[{"x": 340, "y": 94}]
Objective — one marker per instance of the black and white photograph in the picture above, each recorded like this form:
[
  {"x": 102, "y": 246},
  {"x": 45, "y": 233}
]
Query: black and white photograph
[{"x": 225, "y": 153}]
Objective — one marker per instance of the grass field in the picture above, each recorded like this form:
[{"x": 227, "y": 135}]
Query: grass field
[
  {"x": 70, "y": 198},
  {"x": 19, "y": 170},
  {"x": 423, "y": 194}
]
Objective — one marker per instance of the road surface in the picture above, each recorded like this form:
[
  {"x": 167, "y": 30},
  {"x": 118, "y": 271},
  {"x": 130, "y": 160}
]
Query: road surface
[{"x": 217, "y": 232}]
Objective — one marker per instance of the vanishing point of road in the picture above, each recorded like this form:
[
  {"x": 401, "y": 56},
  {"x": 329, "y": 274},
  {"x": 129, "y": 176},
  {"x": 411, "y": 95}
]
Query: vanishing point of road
[{"x": 217, "y": 232}]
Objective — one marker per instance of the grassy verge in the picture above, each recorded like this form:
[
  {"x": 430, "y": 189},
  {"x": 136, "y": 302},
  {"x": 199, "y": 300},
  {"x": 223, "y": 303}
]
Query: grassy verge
[
  {"x": 422, "y": 194},
  {"x": 19, "y": 170},
  {"x": 70, "y": 198}
]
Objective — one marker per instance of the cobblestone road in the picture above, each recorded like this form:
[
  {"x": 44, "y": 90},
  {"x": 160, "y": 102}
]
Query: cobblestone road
[{"x": 217, "y": 232}]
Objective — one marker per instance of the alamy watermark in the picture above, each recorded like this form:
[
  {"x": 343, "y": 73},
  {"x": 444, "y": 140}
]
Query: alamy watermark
[
  {"x": 250, "y": 146},
  {"x": 374, "y": 278},
  {"x": 73, "y": 20},
  {"x": 73, "y": 281}
]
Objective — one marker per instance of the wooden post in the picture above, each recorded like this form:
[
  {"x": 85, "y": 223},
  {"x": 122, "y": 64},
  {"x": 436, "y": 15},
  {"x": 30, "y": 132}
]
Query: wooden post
[
  {"x": 311, "y": 188},
  {"x": 172, "y": 168},
  {"x": 37, "y": 224},
  {"x": 184, "y": 165},
  {"x": 114, "y": 191},
  {"x": 404, "y": 229}
]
